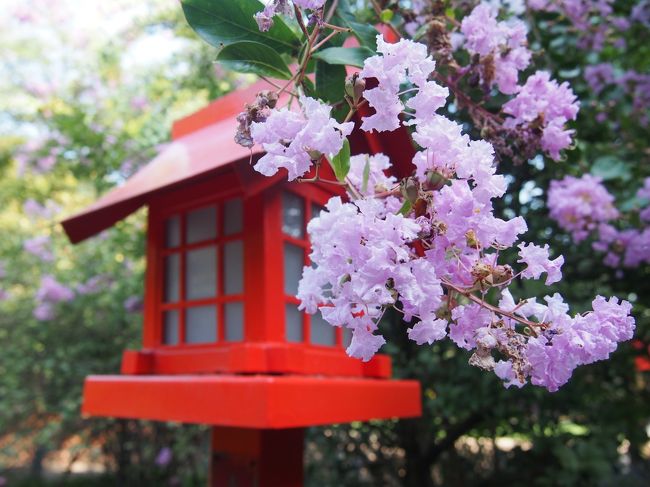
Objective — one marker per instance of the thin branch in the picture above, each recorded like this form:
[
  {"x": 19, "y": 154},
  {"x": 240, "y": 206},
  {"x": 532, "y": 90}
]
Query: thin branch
[
  {"x": 508, "y": 314},
  {"x": 323, "y": 41},
  {"x": 300, "y": 21}
]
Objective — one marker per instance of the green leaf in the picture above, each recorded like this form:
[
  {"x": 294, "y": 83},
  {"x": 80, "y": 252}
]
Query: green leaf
[
  {"x": 308, "y": 87},
  {"x": 608, "y": 168},
  {"x": 366, "y": 176},
  {"x": 255, "y": 58},
  {"x": 341, "y": 161},
  {"x": 366, "y": 34},
  {"x": 223, "y": 22},
  {"x": 349, "y": 56},
  {"x": 330, "y": 82},
  {"x": 406, "y": 207}
]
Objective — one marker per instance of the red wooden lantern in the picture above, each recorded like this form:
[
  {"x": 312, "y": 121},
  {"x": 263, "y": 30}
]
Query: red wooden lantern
[{"x": 224, "y": 342}]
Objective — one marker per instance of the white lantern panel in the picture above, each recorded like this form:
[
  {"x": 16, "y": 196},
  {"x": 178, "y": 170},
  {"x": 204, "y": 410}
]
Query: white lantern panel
[
  {"x": 293, "y": 215},
  {"x": 201, "y": 324},
  {"x": 316, "y": 210},
  {"x": 293, "y": 323},
  {"x": 201, "y": 225},
  {"x": 233, "y": 217},
  {"x": 234, "y": 321},
  {"x": 294, "y": 261},
  {"x": 347, "y": 337},
  {"x": 233, "y": 262},
  {"x": 170, "y": 328},
  {"x": 321, "y": 332},
  {"x": 201, "y": 273},
  {"x": 173, "y": 232},
  {"x": 172, "y": 278}
]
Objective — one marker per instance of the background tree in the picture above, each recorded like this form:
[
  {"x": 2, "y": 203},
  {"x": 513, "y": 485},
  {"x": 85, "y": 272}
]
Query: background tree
[{"x": 81, "y": 112}]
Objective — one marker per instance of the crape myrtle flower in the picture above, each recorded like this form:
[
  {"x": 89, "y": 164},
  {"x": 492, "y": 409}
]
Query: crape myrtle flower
[
  {"x": 544, "y": 103},
  {"x": 293, "y": 140},
  {"x": 430, "y": 246},
  {"x": 264, "y": 18},
  {"x": 500, "y": 47},
  {"x": 579, "y": 205}
]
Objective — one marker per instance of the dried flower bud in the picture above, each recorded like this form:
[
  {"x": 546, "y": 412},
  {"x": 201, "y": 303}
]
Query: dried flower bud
[{"x": 410, "y": 189}]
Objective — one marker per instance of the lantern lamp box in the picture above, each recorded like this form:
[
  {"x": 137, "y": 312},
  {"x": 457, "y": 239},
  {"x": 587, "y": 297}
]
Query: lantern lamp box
[{"x": 224, "y": 343}]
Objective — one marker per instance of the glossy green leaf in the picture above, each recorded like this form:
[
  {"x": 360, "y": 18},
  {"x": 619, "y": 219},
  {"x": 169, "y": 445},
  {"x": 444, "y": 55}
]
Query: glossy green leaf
[
  {"x": 224, "y": 22},
  {"x": 366, "y": 176},
  {"x": 341, "y": 161},
  {"x": 254, "y": 58},
  {"x": 347, "y": 56},
  {"x": 330, "y": 82},
  {"x": 406, "y": 208},
  {"x": 309, "y": 87},
  {"x": 366, "y": 34}
]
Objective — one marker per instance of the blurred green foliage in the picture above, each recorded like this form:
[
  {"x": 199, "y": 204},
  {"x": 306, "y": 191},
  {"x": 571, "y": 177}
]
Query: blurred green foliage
[{"x": 473, "y": 431}]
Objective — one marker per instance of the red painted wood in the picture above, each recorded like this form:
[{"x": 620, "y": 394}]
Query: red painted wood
[
  {"x": 224, "y": 107},
  {"x": 264, "y": 299},
  {"x": 274, "y": 318},
  {"x": 137, "y": 362},
  {"x": 150, "y": 335},
  {"x": 262, "y": 358},
  {"x": 255, "y": 401},
  {"x": 256, "y": 458}
]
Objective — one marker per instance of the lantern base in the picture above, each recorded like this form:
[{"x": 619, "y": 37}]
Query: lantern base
[
  {"x": 253, "y": 358},
  {"x": 256, "y": 458},
  {"x": 255, "y": 401}
]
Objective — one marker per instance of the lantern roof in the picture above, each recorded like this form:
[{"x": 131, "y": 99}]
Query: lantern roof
[{"x": 202, "y": 144}]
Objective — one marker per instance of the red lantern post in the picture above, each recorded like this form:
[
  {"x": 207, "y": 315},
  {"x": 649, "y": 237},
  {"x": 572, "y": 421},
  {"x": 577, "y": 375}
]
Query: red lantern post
[{"x": 224, "y": 343}]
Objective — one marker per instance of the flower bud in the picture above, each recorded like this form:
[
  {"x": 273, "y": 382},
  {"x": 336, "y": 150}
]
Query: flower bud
[
  {"x": 354, "y": 87},
  {"x": 410, "y": 189},
  {"x": 314, "y": 154},
  {"x": 435, "y": 181}
]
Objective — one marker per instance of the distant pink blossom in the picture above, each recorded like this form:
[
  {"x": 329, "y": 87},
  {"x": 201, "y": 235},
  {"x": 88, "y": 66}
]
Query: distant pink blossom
[
  {"x": 503, "y": 44},
  {"x": 542, "y": 100},
  {"x": 579, "y": 205},
  {"x": 40, "y": 247}
]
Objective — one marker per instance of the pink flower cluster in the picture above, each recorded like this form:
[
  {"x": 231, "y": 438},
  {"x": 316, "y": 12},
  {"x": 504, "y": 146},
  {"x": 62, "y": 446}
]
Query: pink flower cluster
[
  {"x": 264, "y": 18},
  {"x": 594, "y": 20},
  {"x": 358, "y": 248},
  {"x": 631, "y": 83},
  {"x": 547, "y": 104},
  {"x": 41, "y": 247},
  {"x": 568, "y": 342},
  {"x": 35, "y": 210},
  {"x": 292, "y": 140},
  {"x": 368, "y": 174},
  {"x": 500, "y": 45},
  {"x": 50, "y": 293},
  {"x": 433, "y": 249},
  {"x": 579, "y": 205},
  {"x": 369, "y": 256},
  {"x": 405, "y": 61},
  {"x": 583, "y": 207}
]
